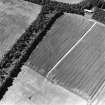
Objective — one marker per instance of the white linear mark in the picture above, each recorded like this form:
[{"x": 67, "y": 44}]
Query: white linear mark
[{"x": 70, "y": 50}]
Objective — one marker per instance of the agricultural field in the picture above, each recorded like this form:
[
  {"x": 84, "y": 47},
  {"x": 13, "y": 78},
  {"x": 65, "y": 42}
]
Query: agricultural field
[
  {"x": 52, "y": 52},
  {"x": 14, "y": 20},
  {"x": 80, "y": 71},
  {"x": 66, "y": 31},
  {"x": 30, "y": 88}
]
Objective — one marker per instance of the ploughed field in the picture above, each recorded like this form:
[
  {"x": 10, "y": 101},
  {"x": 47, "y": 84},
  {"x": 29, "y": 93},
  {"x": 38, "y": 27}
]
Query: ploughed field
[
  {"x": 14, "y": 20},
  {"x": 64, "y": 33},
  {"x": 72, "y": 55},
  {"x": 66, "y": 48},
  {"x": 30, "y": 88},
  {"x": 82, "y": 70}
]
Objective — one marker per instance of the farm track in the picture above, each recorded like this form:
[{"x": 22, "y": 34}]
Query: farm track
[{"x": 13, "y": 60}]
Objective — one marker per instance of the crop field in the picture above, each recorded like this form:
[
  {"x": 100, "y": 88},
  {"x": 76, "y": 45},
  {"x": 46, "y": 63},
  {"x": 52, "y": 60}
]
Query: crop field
[
  {"x": 83, "y": 69},
  {"x": 14, "y": 20},
  {"x": 66, "y": 31},
  {"x": 52, "y": 52},
  {"x": 30, "y": 88}
]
